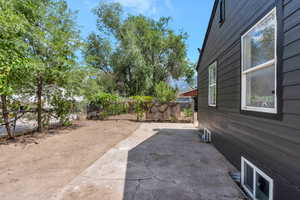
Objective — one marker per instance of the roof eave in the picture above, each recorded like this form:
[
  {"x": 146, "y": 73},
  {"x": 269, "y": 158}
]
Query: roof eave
[{"x": 208, "y": 31}]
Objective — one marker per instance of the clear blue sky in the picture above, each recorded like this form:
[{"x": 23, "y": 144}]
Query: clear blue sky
[{"x": 191, "y": 16}]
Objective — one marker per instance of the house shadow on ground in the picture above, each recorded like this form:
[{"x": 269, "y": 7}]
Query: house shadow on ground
[{"x": 174, "y": 165}]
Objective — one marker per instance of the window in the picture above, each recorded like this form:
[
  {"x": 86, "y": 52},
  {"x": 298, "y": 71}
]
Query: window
[
  {"x": 259, "y": 66},
  {"x": 256, "y": 183},
  {"x": 212, "y": 85},
  {"x": 222, "y": 12}
]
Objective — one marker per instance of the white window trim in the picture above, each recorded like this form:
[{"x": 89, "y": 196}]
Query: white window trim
[
  {"x": 264, "y": 65},
  {"x": 258, "y": 171},
  {"x": 214, "y": 64}
]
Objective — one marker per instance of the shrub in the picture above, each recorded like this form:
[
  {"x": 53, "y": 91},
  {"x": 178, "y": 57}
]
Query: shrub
[
  {"x": 109, "y": 104},
  {"x": 62, "y": 107},
  {"x": 103, "y": 99},
  {"x": 141, "y": 105},
  {"x": 188, "y": 112},
  {"x": 164, "y": 93}
]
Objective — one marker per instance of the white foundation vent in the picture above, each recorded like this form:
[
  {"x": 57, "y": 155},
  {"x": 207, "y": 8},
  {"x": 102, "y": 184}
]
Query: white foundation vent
[{"x": 206, "y": 137}]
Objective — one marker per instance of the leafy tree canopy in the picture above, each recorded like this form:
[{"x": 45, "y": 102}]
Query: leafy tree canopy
[{"x": 137, "y": 51}]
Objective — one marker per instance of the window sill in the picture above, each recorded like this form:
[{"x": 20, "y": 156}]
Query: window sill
[
  {"x": 260, "y": 114},
  {"x": 261, "y": 110}
]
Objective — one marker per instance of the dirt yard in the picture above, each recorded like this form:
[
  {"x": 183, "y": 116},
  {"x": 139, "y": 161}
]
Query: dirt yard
[{"x": 36, "y": 167}]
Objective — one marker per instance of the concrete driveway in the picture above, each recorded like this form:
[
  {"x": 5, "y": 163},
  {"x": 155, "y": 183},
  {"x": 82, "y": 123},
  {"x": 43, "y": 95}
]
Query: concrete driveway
[{"x": 157, "y": 162}]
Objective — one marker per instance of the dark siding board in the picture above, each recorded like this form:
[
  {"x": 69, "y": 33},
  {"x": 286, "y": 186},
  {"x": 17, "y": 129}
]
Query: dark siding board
[
  {"x": 235, "y": 65},
  {"x": 253, "y": 120},
  {"x": 233, "y": 61},
  {"x": 228, "y": 101},
  {"x": 204, "y": 79},
  {"x": 291, "y": 78},
  {"x": 292, "y": 63},
  {"x": 292, "y": 120},
  {"x": 204, "y": 91},
  {"x": 236, "y": 27},
  {"x": 229, "y": 72},
  {"x": 204, "y": 86},
  {"x": 236, "y": 134},
  {"x": 291, "y": 8},
  {"x": 203, "y": 69},
  {"x": 292, "y": 35},
  {"x": 251, "y": 135},
  {"x": 231, "y": 51},
  {"x": 229, "y": 90},
  {"x": 215, "y": 42},
  {"x": 230, "y": 76},
  {"x": 203, "y": 102},
  {"x": 240, "y": 129},
  {"x": 291, "y": 50},
  {"x": 233, "y": 150},
  {"x": 218, "y": 41},
  {"x": 286, "y": 2},
  {"x": 292, "y": 21},
  {"x": 230, "y": 83},
  {"x": 292, "y": 93},
  {"x": 232, "y": 96},
  {"x": 230, "y": 110},
  {"x": 263, "y": 128},
  {"x": 291, "y": 107}
]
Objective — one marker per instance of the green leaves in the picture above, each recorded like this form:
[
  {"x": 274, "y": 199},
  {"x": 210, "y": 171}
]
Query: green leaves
[
  {"x": 103, "y": 99},
  {"x": 38, "y": 41},
  {"x": 164, "y": 93},
  {"x": 141, "y": 105},
  {"x": 13, "y": 48},
  {"x": 97, "y": 53},
  {"x": 138, "y": 51},
  {"x": 109, "y": 17}
]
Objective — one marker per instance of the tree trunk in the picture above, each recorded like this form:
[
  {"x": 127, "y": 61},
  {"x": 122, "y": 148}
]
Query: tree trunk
[
  {"x": 5, "y": 115},
  {"x": 39, "y": 94}
]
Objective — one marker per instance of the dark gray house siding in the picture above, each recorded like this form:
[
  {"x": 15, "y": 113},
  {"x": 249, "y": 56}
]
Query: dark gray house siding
[{"x": 270, "y": 141}]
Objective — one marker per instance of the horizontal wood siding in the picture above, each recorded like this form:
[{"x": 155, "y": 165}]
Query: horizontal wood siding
[{"x": 273, "y": 145}]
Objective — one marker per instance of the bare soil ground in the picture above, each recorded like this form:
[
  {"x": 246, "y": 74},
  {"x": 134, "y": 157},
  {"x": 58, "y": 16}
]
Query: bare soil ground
[{"x": 35, "y": 167}]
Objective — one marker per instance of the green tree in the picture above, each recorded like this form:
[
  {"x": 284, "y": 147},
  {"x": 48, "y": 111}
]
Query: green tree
[
  {"x": 13, "y": 52},
  {"x": 54, "y": 41},
  {"x": 97, "y": 53},
  {"x": 164, "y": 93},
  {"x": 144, "y": 51}
]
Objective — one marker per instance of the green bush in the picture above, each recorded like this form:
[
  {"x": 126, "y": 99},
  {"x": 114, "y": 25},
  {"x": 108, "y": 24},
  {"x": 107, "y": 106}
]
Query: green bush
[
  {"x": 141, "y": 105},
  {"x": 118, "y": 108},
  {"x": 62, "y": 107},
  {"x": 164, "y": 93},
  {"x": 103, "y": 115},
  {"x": 103, "y": 99},
  {"x": 188, "y": 112},
  {"x": 109, "y": 104}
]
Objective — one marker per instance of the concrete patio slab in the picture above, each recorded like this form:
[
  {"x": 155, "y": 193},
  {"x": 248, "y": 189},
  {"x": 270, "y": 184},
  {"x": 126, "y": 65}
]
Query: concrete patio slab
[{"x": 158, "y": 161}]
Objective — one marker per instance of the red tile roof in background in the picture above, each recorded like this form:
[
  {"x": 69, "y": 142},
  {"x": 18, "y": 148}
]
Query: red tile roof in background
[{"x": 191, "y": 93}]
